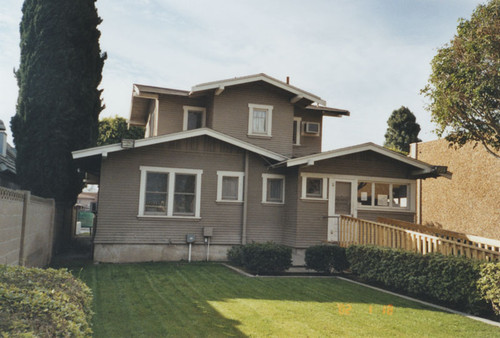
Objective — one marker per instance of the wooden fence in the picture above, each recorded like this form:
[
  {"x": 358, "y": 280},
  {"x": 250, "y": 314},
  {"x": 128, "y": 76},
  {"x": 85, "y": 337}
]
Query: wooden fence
[{"x": 415, "y": 238}]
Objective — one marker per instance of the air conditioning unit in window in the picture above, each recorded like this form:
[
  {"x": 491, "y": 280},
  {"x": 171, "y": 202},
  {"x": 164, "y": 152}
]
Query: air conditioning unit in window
[{"x": 311, "y": 128}]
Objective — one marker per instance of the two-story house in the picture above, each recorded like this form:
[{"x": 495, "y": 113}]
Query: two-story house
[{"x": 232, "y": 162}]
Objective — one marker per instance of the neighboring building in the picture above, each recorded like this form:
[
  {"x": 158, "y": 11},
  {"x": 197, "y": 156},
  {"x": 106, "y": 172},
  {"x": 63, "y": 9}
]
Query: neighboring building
[
  {"x": 7, "y": 161},
  {"x": 86, "y": 200},
  {"x": 237, "y": 161},
  {"x": 469, "y": 202}
]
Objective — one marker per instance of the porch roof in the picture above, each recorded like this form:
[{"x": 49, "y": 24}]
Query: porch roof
[{"x": 422, "y": 169}]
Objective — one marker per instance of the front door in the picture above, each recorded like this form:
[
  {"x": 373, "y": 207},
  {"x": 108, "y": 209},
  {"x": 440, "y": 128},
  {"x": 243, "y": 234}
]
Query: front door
[{"x": 340, "y": 202}]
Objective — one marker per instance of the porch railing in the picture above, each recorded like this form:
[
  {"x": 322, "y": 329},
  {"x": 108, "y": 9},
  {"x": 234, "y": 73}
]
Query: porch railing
[{"x": 357, "y": 231}]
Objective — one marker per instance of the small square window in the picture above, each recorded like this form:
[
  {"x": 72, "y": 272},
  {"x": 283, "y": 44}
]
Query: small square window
[
  {"x": 194, "y": 117},
  {"x": 230, "y": 186},
  {"x": 273, "y": 188},
  {"x": 314, "y": 187}
]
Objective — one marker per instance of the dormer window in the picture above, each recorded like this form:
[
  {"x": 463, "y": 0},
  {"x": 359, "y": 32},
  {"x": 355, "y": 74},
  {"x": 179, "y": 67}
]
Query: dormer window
[
  {"x": 260, "y": 120},
  {"x": 194, "y": 117}
]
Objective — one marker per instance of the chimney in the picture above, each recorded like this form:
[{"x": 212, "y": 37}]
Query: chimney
[
  {"x": 288, "y": 80},
  {"x": 3, "y": 139}
]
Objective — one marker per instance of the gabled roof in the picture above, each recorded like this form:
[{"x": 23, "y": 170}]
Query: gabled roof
[
  {"x": 300, "y": 94},
  {"x": 423, "y": 168},
  {"x": 104, "y": 150}
]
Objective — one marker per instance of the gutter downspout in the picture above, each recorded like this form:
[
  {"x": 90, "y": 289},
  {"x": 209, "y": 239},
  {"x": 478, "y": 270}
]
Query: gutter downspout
[{"x": 245, "y": 202}]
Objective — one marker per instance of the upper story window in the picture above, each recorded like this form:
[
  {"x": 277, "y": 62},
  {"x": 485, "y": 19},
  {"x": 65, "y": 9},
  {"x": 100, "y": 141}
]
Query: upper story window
[
  {"x": 297, "y": 121},
  {"x": 260, "y": 120},
  {"x": 170, "y": 192},
  {"x": 194, "y": 117}
]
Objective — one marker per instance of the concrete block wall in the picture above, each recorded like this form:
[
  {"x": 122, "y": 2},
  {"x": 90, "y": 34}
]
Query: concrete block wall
[
  {"x": 469, "y": 202},
  {"x": 26, "y": 228}
]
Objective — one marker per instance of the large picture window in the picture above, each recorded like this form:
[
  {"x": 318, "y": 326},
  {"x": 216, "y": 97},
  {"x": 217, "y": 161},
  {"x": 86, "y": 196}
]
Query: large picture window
[
  {"x": 170, "y": 192},
  {"x": 383, "y": 195},
  {"x": 260, "y": 119},
  {"x": 273, "y": 188},
  {"x": 230, "y": 186}
]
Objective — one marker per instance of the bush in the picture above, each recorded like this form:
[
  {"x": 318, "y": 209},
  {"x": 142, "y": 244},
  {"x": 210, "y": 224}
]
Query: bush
[
  {"x": 39, "y": 302},
  {"x": 489, "y": 285},
  {"x": 235, "y": 255},
  {"x": 262, "y": 258},
  {"x": 447, "y": 279},
  {"x": 326, "y": 258}
]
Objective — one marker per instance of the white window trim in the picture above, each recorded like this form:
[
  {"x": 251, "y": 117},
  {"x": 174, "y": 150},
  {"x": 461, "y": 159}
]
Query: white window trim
[
  {"x": 298, "y": 131},
  {"x": 193, "y": 108},
  {"x": 220, "y": 176},
  {"x": 324, "y": 187},
  {"x": 265, "y": 177},
  {"x": 269, "y": 119},
  {"x": 171, "y": 186}
]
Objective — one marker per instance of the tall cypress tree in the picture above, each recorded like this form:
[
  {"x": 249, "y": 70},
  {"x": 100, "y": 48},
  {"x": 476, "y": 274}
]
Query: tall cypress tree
[
  {"x": 402, "y": 130},
  {"x": 59, "y": 103}
]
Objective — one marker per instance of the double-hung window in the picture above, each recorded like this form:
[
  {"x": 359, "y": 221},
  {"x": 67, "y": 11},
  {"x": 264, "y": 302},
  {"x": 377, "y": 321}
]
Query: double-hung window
[
  {"x": 260, "y": 119},
  {"x": 194, "y": 117},
  {"x": 273, "y": 188},
  {"x": 170, "y": 192},
  {"x": 230, "y": 186}
]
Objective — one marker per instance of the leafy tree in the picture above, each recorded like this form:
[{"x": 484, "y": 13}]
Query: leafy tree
[
  {"x": 59, "y": 104},
  {"x": 402, "y": 130},
  {"x": 113, "y": 130},
  {"x": 464, "y": 87}
]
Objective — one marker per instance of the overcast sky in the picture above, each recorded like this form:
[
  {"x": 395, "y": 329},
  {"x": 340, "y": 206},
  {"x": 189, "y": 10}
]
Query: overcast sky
[{"x": 369, "y": 57}]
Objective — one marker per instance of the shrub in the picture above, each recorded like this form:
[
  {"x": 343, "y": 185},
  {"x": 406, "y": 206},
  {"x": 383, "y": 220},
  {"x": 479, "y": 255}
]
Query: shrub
[
  {"x": 326, "y": 258},
  {"x": 448, "y": 279},
  {"x": 489, "y": 285},
  {"x": 38, "y": 302},
  {"x": 262, "y": 258},
  {"x": 235, "y": 255}
]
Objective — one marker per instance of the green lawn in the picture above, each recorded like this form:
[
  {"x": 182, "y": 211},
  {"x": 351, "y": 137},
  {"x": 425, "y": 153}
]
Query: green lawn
[{"x": 180, "y": 299}]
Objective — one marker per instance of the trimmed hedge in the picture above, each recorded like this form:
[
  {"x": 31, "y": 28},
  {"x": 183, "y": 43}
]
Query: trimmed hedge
[
  {"x": 489, "y": 285},
  {"x": 43, "y": 302},
  {"x": 326, "y": 258},
  {"x": 447, "y": 279},
  {"x": 262, "y": 258}
]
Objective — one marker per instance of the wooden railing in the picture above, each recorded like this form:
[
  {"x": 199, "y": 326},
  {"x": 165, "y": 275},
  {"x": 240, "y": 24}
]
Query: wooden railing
[{"x": 357, "y": 231}]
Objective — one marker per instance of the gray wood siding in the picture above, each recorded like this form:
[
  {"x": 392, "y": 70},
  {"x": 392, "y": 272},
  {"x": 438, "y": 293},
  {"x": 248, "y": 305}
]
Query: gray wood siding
[
  {"x": 119, "y": 194},
  {"x": 291, "y": 197},
  {"x": 171, "y": 113},
  {"x": 367, "y": 163},
  {"x": 312, "y": 226},
  {"x": 372, "y": 215},
  {"x": 265, "y": 221},
  {"x": 230, "y": 115},
  {"x": 308, "y": 144}
]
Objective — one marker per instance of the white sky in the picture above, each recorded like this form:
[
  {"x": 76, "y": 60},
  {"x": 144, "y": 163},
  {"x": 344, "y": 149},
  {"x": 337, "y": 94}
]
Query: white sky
[{"x": 369, "y": 57}]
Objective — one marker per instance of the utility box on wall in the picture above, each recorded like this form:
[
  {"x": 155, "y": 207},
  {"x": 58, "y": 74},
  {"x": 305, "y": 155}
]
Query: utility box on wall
[
  {"x": 208, "y": 231},
  {"x": 190, "y": 238}
]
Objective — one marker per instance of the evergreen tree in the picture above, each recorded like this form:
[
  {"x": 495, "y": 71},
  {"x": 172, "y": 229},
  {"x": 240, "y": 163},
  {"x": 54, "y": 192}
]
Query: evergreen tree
[
  {"x": 114, "y": 129},
  {"x": 402, "y": 130},
  {"x": 59, "y": 104}
]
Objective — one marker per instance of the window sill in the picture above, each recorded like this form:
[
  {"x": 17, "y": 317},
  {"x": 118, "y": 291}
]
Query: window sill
[
  {"x": 385, "y": 209},
  {"x": 273, "y": 204},
  {"x": 228, "y": 202},
  {"x": 180, "y": 218},
  {"x": 267, "y": 137},
  {"x": 310, "y": 199}
]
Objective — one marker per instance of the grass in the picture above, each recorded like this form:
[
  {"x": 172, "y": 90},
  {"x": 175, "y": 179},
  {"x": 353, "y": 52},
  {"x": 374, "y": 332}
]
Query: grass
[{"x": 180, "y": 299}]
